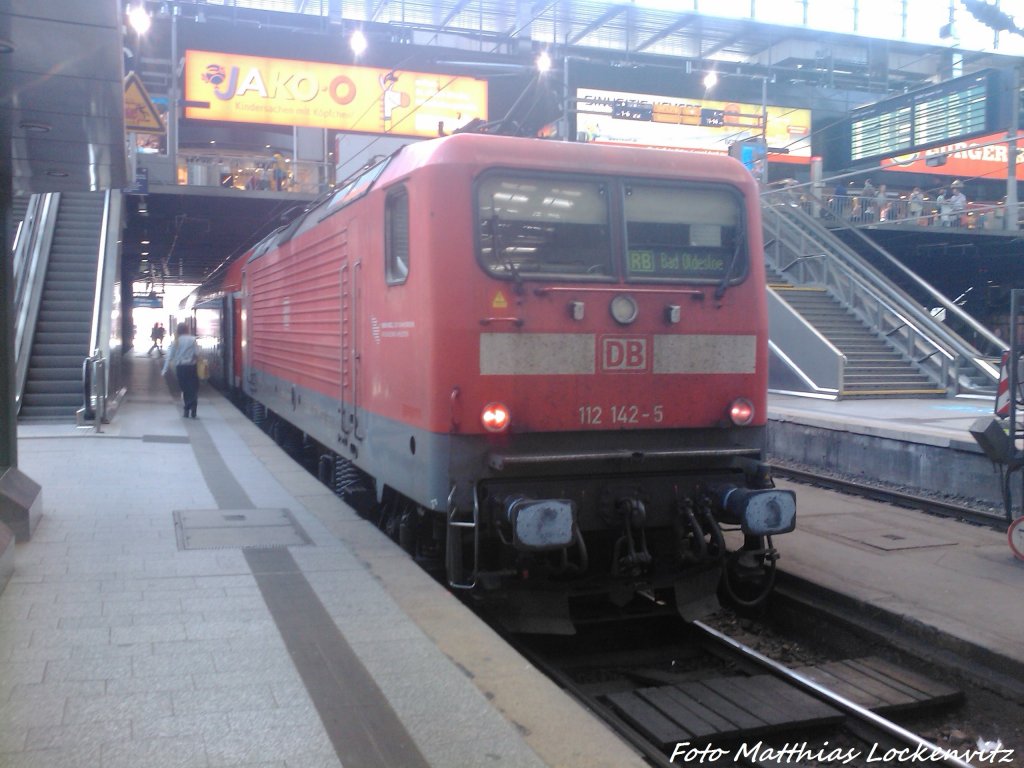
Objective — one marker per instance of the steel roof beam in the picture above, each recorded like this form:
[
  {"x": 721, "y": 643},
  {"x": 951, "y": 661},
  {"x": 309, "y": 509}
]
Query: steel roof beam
[
  {"x": 683, "y": 22},
  {"x": 458, "y": 8},
  {"x": 597, "y": 23},
  {"x": 721, "y": 45}
]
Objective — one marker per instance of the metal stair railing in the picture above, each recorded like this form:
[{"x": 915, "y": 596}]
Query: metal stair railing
[
  {"x": 96, "y": 367},
  {"x": 802, "y": 219},
  {"x": 804, "y": 250},
  {"x": 823, "y": 269}
]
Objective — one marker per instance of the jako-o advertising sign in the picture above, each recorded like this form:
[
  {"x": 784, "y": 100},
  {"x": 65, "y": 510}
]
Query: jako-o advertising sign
[{"x": 253, "y": 89}]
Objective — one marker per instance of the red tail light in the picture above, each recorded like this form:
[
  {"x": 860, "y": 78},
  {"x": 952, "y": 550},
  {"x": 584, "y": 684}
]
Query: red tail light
[
  {"x": 495, "y": 417},
  {"x": 741, "y": 412}
]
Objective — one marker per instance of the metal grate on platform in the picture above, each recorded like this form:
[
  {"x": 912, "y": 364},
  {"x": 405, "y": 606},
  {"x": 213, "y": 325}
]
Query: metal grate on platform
[{"x": 237, "y": 529}]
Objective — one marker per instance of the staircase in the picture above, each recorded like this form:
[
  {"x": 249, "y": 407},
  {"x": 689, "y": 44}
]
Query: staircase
[
  {"x": 53, "y": 387},
  {"x": 873, "y": 368}
]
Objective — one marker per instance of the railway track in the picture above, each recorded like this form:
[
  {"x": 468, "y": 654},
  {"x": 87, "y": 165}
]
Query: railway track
[
  {"x": 951, "y": 509},
  {"x": 709, "y": 699}
]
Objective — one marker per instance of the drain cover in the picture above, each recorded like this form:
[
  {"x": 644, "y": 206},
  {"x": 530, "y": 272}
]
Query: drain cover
[{"x": 237, "y": 529}]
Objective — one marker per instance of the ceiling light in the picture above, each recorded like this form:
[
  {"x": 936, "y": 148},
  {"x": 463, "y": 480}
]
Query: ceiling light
[
  {"x": 33, "y": 127},
  {"x": 358, "y": 42},
  {"x": 710, "y": 80},
  {"x": 138, "y": 17},
  {"x": 57, "y": 174},
  {"x": 543, "y": 62}
]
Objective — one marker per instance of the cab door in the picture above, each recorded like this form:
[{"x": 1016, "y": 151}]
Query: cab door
[
  {"x": 245, "y": 320},
  {"x": 349, "y": 276}
]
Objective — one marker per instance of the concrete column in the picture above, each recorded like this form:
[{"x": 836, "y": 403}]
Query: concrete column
[{"x": 20, "y": 500}]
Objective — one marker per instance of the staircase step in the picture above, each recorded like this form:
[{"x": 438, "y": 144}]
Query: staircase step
[
  {"x": 63, "y": 387},
  {"x": 57, "y": 373},
  {"x": 52, "y": 399},
  {"x": 47, "y": 413},
  {"x": 58, "y": 348},
  {"x": 866, "y": 394},
  {"x": 59, "y": 326},
  {"x": 70, "y": 362}
]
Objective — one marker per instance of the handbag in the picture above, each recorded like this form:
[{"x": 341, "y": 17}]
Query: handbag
[{"x": 202, "y": 369}]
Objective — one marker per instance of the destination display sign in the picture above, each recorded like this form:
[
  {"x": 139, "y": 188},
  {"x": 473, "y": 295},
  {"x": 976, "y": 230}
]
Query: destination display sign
[
  {"x": 952, "y": 111},
  {"x": 695, "y": 124}
]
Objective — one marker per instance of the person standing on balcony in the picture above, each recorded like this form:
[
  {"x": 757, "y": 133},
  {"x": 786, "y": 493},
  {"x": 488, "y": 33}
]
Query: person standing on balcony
[
  {"x": 881, "y": 204},
  {"x": 280, "y": 172},
  {"x": 867, "y": 200},
  {"x": 944, "y": 201},
  {"x": 916, "y": 205},
  {"x": 958, "y": 206}
]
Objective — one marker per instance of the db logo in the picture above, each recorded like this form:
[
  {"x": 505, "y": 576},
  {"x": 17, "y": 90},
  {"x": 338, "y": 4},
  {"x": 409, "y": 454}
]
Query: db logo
[{"x": 623, "y": 353}]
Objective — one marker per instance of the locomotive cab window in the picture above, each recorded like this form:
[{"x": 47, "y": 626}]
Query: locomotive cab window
[
  {"x": 683, "y": 234},
  {"x": 543, "y": 227},
  {"x": 396, "y": 237}
]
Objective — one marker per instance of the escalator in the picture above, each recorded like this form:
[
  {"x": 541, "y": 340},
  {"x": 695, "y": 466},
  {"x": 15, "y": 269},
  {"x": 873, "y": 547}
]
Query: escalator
[{"x": 62, "y": 337}]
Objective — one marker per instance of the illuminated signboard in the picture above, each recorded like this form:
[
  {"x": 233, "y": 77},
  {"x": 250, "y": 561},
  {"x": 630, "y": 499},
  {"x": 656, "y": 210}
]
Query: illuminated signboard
[
  {"x": 254, "y": 89},
  {"x": 701, "y": 125},
  {"x": 984, "y": 157},
  {"x": 944, "y": 113}
]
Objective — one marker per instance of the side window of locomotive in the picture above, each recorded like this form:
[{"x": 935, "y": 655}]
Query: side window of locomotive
[
  {"x": 683, "y": 234},
  {"x": 396, "y": 237},
  {"x": 354, "y": 188},
  {"x": 543, "y": 226}
]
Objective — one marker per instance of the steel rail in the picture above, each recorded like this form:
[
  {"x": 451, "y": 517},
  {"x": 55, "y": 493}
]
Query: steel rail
[{"x": 841, "y": 702}]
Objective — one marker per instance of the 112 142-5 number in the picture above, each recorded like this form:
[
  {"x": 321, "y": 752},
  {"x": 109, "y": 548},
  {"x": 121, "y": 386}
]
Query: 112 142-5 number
[{"x": 615, "y": 415}]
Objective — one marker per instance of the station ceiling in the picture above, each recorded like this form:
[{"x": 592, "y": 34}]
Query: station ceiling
[{"x": 62, "y": 66}]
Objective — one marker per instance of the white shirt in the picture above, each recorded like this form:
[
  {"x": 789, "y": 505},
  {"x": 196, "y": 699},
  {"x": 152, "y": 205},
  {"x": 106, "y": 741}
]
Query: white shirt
[{"x": 182, "y": 351}]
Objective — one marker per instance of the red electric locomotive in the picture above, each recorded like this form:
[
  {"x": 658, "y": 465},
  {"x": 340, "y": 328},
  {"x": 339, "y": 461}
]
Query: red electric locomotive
[{"x": 543, "y": 364}]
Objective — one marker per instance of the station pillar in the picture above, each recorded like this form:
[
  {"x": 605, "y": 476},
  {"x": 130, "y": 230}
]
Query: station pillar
[{"x": 20, "y": 497}]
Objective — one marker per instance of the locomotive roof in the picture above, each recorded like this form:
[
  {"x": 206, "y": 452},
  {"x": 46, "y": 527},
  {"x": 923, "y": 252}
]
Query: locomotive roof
[
  {"x": 547, "y": 154},
  {"x": 490, "y": 151}
]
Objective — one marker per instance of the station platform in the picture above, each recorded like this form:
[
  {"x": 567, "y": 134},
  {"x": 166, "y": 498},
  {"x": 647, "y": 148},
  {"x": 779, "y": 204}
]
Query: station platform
[
  {"x": 938, "y": 583},
  {"x": 921, "y": 444},
  {"x": 191, "y": 597},
  {"x": 119, "y": 648}
]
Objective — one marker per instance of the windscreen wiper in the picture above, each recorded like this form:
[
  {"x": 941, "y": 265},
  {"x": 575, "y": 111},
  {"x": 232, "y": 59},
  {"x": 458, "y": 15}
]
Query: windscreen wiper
[{"x": 722, "y": 286}]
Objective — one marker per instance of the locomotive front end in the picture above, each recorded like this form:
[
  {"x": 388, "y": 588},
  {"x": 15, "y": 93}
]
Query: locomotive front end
[{"x": 620, "y": 384}]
